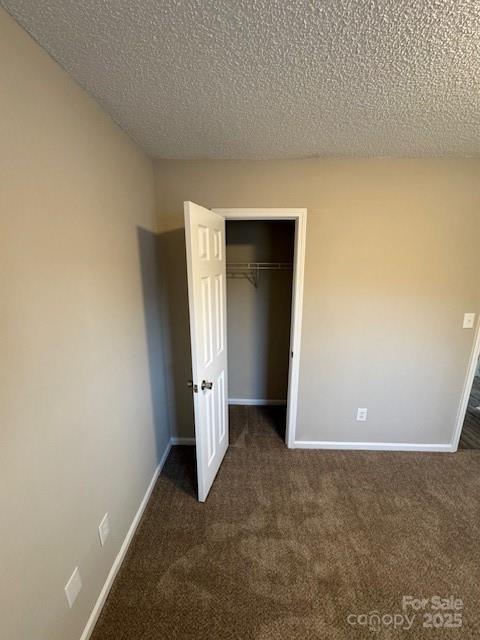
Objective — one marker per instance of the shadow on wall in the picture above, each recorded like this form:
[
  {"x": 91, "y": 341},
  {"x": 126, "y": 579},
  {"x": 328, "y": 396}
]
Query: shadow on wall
[
  {"x": 176, "y": 330},
  {"x": 278, "y": 314},
  {"x": 154, "y": 300}
]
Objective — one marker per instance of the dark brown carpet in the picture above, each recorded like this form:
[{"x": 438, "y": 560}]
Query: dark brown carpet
[
  {"x": 290, "y": 543},
  {"x": 470, "y": 438}
]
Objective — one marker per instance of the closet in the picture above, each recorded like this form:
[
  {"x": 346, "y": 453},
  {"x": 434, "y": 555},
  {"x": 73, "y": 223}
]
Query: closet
[{"x": 259, "y": 256}]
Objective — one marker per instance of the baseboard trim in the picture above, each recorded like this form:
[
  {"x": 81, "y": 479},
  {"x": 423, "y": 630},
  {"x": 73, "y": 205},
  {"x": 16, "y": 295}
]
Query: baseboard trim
[
  {"x": 92, "y": 620},
  {"x": 371, "y": 446},
  {"x": 255, "y": 401},
  {"x": 182, "y": 441}
]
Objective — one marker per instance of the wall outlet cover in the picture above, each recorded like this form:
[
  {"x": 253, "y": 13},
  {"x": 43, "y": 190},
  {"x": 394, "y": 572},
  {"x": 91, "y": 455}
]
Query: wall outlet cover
[
  {"x": 468, "y": 320},
  {"x": 73, "y": 587}
]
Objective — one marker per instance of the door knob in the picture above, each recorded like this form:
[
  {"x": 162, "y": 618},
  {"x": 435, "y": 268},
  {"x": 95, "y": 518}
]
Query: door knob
[{"x": 206, "y": 385}]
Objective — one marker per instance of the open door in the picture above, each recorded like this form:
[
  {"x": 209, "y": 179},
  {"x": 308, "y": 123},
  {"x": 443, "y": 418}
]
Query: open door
[{"x": 206, "y": 270}]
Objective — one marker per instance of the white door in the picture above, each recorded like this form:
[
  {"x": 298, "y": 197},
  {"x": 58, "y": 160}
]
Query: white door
[{"x": 206, "y": 270}]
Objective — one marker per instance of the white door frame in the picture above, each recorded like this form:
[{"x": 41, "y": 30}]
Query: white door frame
[
  {"x": 300, "y": 218},
  {"x": 467, "y": 389}
]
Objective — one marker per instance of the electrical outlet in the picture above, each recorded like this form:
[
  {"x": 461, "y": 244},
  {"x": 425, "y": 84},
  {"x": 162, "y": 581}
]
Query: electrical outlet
[
  {"x": 468, "y": 320},
  {"x": 104, "y": 529},
  {"x": 362, "y": 414},
  {"x": 73, "y": 586}
]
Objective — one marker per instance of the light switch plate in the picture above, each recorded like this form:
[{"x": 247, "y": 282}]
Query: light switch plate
[
  {"x": 73, "y": 586},
  {"x": 104, "y": 529},
  {"x": 468, "y": 320}
]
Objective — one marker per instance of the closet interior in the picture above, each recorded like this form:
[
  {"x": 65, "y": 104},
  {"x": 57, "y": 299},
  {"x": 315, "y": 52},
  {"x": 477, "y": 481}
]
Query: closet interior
[{"x": 259, "y": 300}]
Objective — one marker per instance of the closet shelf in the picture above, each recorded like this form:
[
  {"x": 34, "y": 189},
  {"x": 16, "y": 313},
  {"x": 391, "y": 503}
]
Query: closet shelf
[{"x": 251, "y": 270}]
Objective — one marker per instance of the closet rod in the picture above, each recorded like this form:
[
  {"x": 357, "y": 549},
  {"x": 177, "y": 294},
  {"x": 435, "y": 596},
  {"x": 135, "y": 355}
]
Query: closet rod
[
  {"x": 251, "y": 270},
  {"x": 235, "y": 266}
]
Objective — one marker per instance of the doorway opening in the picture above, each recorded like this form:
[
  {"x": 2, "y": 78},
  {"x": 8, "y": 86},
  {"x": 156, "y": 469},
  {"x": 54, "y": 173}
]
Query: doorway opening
[
  {"x": 299, "y": 219},
  {"x": 259, "y": 268}
]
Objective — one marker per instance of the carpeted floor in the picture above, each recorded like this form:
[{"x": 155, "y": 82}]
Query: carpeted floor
[{"x": 302, "y": 545}]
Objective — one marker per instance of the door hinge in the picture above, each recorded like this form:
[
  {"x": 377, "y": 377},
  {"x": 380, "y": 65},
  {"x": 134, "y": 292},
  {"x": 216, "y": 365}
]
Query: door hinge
[{"x": 193, "y": 386}]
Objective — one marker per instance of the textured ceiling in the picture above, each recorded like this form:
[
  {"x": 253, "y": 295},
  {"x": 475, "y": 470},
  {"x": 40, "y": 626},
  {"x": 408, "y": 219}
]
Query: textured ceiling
[{"x": 274, "y": 78}]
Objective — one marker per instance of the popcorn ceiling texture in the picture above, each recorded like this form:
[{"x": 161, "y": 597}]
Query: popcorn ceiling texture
[{"x": 272, "y": 78}]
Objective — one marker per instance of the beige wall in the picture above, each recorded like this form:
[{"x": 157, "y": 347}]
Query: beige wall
[
  {"x": 258, "y": 318},
  {"x": 391, "y": 266},
  {"x": 79, "y": 341}
]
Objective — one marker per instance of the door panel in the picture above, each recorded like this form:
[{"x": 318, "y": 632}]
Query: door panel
[
  {"x": 219, "y": 318},
  {"x": 206, "y": 288},
  {"x": 222, "y": 406},
  {"x": 206, "y": 271}
]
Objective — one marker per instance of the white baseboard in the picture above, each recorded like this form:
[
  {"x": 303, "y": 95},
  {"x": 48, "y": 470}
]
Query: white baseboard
[
  {"x": 255, "y": 401},
  {"x": 371, "y": 446},
  {"x": 123, "y": 549},
  {"x": 182, "y": 441}
]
